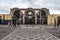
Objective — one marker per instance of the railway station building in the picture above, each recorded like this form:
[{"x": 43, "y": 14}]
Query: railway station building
[{"x": 30, "y": 16}]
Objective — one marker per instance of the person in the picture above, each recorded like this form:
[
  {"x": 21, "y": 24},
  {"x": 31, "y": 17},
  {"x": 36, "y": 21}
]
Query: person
[
  {"x": 18, "y": 23},
  {"x": 9, "y": 24},
  {"x": 57, "y": 25},
  {"x": 14, "y": 22}
]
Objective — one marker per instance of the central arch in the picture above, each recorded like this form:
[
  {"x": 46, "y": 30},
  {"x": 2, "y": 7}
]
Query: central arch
[{"x": 29, "y": 18}]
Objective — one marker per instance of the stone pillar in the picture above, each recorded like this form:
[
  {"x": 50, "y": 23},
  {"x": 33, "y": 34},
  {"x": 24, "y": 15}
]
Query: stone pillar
[
  {"x": 35, "y": 19},
  {"x": 40, "y": 17},
  {"x": 23, "y": 19},
  {"x": 42, "y": 20},
  {"x": 23, "y": 13}
]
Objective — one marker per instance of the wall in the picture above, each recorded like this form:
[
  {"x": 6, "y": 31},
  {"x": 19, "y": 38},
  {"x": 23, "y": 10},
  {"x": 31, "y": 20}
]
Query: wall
[{"x": 50, "y": 19}]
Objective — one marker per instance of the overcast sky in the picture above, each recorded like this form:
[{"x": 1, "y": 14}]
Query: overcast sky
[{"x": 52, "y": 5}]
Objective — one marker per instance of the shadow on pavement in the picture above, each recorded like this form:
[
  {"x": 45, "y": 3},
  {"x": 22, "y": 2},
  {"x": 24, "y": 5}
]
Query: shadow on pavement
[{"x": 54, "y": 31}]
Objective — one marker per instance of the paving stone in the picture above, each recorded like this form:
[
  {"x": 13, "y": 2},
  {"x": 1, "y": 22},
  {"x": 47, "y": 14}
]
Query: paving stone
[
  {"x": 30, "y": 38},
  {"x": 37, "y": 39},
  {"x": 24, "y": 39},
  {"x": 30, "y": 34}
]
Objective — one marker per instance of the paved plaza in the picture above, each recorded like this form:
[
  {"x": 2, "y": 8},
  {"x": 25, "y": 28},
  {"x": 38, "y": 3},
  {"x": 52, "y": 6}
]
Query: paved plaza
[
  {"x": 30, "y": 33},
  {"x": 6, "y": 30}
]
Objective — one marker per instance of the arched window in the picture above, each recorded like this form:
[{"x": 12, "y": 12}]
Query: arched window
[
  {"x": 29, "y": 13},
  {"x": 43, "y": 13},
  {"x": 17, "y": 14}
]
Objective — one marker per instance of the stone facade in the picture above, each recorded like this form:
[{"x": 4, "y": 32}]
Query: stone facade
[
  {"x": 38, "y": 14},
  {"x": 50, "y": 18}
]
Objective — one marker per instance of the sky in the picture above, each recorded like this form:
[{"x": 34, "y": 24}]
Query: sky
[{"x": 52, "y": 5}]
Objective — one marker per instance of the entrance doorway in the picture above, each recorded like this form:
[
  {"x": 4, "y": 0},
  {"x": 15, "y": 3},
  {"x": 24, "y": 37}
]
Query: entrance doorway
[
  {"x": 29, "y": 21},
  {"x": 29, "y": 18}
]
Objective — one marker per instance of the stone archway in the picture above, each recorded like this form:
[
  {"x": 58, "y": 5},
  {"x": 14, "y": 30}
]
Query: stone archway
[
  {"x": 43, "y": 17},
  {"x": 29, "y": 18},
  {"x": 17, "y": 14}
]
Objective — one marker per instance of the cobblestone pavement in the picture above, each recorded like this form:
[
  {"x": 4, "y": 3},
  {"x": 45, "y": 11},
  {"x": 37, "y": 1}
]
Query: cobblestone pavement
[{"x": 30, "y": 34}]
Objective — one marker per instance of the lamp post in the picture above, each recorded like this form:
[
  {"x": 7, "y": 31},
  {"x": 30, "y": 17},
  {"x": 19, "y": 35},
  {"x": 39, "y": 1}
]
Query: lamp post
[
  {"x": 42, "y": 20},
  {"x": 40, "y": 17},
  {"x": 55, "y": 22},
  {"x": 11, "y": 18}
]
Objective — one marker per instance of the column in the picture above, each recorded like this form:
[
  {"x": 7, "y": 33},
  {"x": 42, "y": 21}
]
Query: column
[
  {"x": 35, "y": 19},
  {"x": 42, "y": 20},
  {"x": 40, "y": 17},
  {"x": 23, "y": 19}
]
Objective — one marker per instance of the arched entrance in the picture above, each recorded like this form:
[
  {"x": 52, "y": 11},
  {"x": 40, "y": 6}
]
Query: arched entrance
[
  {"x": 16, "y": 16},
  {"x": 29, "y": 17},
  {"x": 43, "y": 17}
]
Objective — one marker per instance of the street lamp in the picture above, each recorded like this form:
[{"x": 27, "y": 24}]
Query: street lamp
[
  {"x": 55, "y": 21},
  {"x": 42, "y": 20},
  {"x": 40, "y": 17},
  {"x": 11, "y": 18}
]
